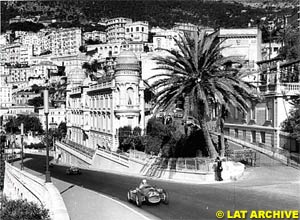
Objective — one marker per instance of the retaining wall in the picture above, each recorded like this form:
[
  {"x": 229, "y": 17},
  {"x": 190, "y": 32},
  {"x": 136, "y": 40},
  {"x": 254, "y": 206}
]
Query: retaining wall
[
  {"x": 111, "y": 161},
  {"x": 18, "y": 184}
]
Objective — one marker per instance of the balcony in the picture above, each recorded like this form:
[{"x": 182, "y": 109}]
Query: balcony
[
  {"x": 289, "y": 89},
  {"x": 100, "y": 86}
]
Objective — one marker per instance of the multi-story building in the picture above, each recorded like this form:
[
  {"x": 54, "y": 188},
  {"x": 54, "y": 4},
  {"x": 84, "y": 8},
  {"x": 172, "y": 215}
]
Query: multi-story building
[
  {"x": 244, "y": 43},
  {"x": 42, "y": 70},
  {"x": 73, "y": 66},
  {"x": 185, "y": 27},
  {"x": 21, "y": 98},
  {"x": 95, "y": 36},
  {"x": 65, "y": 41},
  {"x": 137, "y": 31},
  {"x": 5, "y": 96},
  {"x": 114, "y": 49},
  {"x": 95, "y": 111},
  {"x": 164, "y": 39},
  {"x": 277, "y": 82},
  {"x": 18, "y": 75},
  {"x": 55, "y": 117},
  {"x": 16, "y": 54},
  {"x": 115, "y": 29}
]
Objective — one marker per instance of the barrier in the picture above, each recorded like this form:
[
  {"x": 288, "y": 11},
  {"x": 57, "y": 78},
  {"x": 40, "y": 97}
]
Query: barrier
[{"x": 18, "y": 184}]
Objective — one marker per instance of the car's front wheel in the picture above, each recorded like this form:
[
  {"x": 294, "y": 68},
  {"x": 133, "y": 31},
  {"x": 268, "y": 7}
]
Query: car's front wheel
[
  {"x": 138, "y": 200},
  {"x": 165, "y": 197}
]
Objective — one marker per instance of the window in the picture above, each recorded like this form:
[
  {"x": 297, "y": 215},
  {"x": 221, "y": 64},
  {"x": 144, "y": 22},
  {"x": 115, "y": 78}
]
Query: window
[
  {"x": 130, "y": 96},
  {"x": 244, "y": 135},
  {"x": 236, "y": 133},
  {"x": 262, "y": 137},
  {"x": 253, "y": 113},
  {"x": 253, "y": 134},
  {"x": 137, "y": 29},
  {"x": 127, "y": 29},
  {"x": 236, "y": 113}
]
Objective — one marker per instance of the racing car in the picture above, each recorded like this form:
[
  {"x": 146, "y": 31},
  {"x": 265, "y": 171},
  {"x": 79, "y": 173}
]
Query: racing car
[
  {"x": 73, "y": 171},
  {"x": 148, "y": 194}
]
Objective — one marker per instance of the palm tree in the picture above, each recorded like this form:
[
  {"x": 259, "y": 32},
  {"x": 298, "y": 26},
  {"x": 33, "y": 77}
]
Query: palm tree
[
  {"x": 92, "y": 68},
  {"x": 196, "y": 71}
]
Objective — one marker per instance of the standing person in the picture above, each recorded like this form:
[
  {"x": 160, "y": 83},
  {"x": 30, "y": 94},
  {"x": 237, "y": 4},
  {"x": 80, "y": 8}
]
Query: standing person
[{"x": 219, "y": 169}]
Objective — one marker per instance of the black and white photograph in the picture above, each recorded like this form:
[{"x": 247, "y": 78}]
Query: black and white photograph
[{"x": 150, "y": 110}]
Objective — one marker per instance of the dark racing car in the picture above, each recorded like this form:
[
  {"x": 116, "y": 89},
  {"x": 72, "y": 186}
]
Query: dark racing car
[{"x": 148, "y": 194}]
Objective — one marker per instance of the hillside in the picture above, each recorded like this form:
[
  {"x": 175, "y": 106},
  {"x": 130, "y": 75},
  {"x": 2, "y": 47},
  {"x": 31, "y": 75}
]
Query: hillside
[{"x": 158, "y": 13}]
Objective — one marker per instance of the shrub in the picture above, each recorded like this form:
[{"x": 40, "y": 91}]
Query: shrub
[{"x": 22, "y": 209}]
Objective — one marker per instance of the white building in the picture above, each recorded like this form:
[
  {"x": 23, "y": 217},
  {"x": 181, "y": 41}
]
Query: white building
[
  {"x": 244, "y": 43},
  {"x": 164, "y": 39},
  {"x": 115, "y": 29},
  {"x": 42, "y": 70},
  {"x": 96, "y": 111},
  {"x": 73, "y": 66},
  {"x": 55, "y": 117},
  {"x": 16, "y": 54},
  {"x": 5, "y": 92},
  {"x": 137, "y": 31},
  {"x": 95, "y": 36}
]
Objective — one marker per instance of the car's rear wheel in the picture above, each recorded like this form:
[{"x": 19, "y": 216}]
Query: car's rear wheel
[
  {"x": 128, "y": 197},
  {"x": 165, "y": 197},
  {"x": 138, "y": 200}
]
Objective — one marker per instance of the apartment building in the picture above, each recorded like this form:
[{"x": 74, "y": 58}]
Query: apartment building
[
  {"x": 16, "y": 54},
  {"x": 95, "y": 36},
  {"x": 137, "y": 31},
  {"x": 164, "y": 38},
  {"x": 65, "y": 41},
  {"x": 115, "y": 29}
]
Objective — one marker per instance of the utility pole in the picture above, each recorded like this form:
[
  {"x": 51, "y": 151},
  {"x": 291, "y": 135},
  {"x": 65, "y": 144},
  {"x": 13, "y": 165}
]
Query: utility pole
[
  {"x": 46, "y": 112},
  {"x": 22, "y": 146}
]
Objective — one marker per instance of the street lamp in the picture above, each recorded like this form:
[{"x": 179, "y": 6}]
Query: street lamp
[
  {"x": 46, "y": 112},
  {"x": 22, "y": 150}
]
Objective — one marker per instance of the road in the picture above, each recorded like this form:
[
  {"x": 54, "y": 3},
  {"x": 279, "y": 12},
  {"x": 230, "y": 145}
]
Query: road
[{"x": 265, "y": 188}]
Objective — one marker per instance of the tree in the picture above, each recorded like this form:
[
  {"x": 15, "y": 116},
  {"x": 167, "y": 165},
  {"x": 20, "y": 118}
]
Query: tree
[
  {"x": 36, "y": 102},
  {"x": 31, "y": 123},
  {"x": 292, "y": 123},
  {"x": 92, "y": 68},
  {"x": 21, "y": 209},
  {"x": 82, "y": 49},
  {"x": 195, "y": 71}
]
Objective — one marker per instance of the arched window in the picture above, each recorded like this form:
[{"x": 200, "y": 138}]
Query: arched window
[{"x": 130, "y": 96}]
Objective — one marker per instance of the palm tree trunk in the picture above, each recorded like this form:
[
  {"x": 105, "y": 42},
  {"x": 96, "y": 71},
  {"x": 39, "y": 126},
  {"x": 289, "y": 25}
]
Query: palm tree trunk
[
  {"x": 222, "y": 122},
  {"x": 211, "y": 148}
]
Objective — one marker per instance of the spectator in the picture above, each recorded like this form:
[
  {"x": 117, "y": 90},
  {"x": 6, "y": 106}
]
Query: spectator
[{"x": 219, "y": 169}]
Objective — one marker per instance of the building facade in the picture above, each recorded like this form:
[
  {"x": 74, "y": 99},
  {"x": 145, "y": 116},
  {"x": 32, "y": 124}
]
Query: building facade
[
  {"x": 95, "y": 111},
  {"x": 244, "y": 43},
  {"x": 115, "y": 29},
  {"x": 278, "y": 82},
  {"x": 137, "y": 31},
  {"x": 55, "y": 117}
]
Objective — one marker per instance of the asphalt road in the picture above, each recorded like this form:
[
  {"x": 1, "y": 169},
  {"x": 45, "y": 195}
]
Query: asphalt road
[{"x": 272, "y": 188}]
